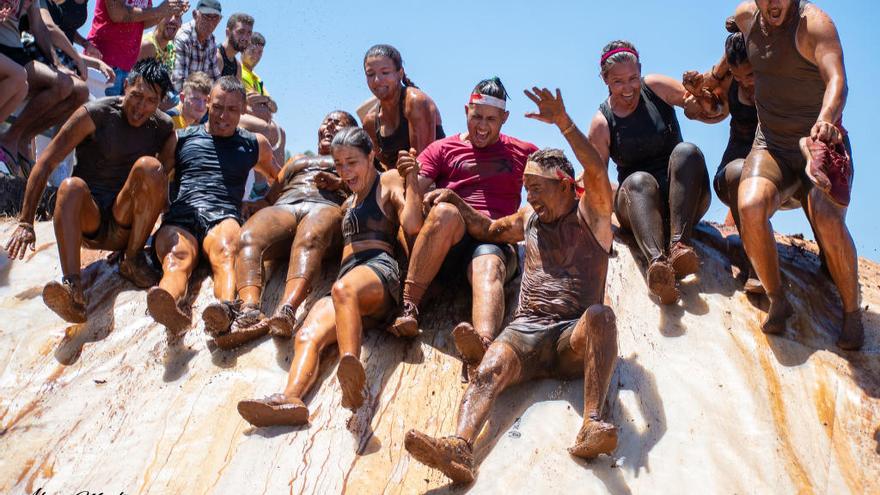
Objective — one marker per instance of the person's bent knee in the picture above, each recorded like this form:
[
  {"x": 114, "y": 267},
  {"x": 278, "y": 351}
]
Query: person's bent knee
[
  {"x": 601, "y": 317},
  {"x": 63, "y": 86},
  {"x": 640, "y": 183},
  {"x": 755, "y": 207},
  {"x": 443, "y": 216},
  {"x": 342, "y": 292},
  {"x": 72, "y": 188},
  {"x": 686, "y": 149},
  {"x": 19, "y": 77}
]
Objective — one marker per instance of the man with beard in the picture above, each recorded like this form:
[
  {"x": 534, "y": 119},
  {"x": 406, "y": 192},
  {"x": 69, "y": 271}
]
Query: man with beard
[
  {"x": 158, "y": 42},
  {"x": 211, "y": 166},
  {"x": 124, "y": 147},
  {"x": 561, "y": 328},
  {"x": 238, "y": 37}
]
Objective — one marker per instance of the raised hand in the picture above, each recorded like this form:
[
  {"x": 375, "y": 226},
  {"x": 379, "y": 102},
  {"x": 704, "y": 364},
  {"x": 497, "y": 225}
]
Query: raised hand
[
  {"x": 551, "y": 109},
  {"x": 406, "y": 162},
  {"x": 22, "y": 238}
]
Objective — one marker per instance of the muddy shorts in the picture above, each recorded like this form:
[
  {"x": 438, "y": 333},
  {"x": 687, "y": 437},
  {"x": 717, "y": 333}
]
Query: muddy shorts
[
  {"x": 197, "y": 222},
  {"x": 538, "y": 344},
  {"x": 383, "y": 265},
  {"x": 110, "y": 236},
  {"x": 460, "y": 255},
  {"x": 787, "y": 170}
]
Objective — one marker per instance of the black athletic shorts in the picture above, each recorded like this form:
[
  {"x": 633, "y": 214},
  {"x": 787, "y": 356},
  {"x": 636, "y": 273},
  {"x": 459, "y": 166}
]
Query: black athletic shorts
[
  {"x": 17, "y": 54},
  {"x": 382, "y": 263},
  {"x": 197, "y": 222},
  {"x": 460, "y": 255},
  {"x": 110, "y": 236}
]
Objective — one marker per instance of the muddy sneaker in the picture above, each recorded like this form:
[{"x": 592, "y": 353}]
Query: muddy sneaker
[
  {"x": 853, "y": 334},
  {"x": 778, "y": 313},
  {"x": 219, "y": 315},
  {"x": 661, "y": 281},
  {"x": 471, "y": 347},
  {"x": 66, "y": 299},
  {"x": 138, "y": 271},
  {"x": 249, "y": 324},
  {"x": 352, "y": 380},
  {"x": 407, "y": 324},
  {"x": 450, "y": 455},
  {"x": 595, "y": 437},
  {"x": 166, "y": 311},
  {"x": 684, "y": 259},
  {"x": 281, "y": 323},
  {"x": 275, "y": 410},
  {"x": 829, "y": 168}
]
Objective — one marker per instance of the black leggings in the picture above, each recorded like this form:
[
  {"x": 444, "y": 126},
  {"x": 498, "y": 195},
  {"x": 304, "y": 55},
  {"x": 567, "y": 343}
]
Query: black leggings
[{"x": 654, "y": 206}]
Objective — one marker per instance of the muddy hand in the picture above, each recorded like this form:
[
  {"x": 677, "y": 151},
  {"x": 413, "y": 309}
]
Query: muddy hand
[
  {"x": 327, "y": 181},
  {"x": 826, "y": 132},
  {"x": 406, "y": 162},
  {"x": 693, "y": 82},
  {"x": 22, "y": 238}
]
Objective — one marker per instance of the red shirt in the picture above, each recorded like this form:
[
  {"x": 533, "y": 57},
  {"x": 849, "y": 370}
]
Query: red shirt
[
  {"x": 119, "y": 42},
  {"x": 489, "y": 179}
]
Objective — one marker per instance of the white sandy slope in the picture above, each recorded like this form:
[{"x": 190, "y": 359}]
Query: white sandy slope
[{"x": 704, "y": 401}]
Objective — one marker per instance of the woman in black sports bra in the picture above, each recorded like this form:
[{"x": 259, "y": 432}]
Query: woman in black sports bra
[
  {"x": 367, "y": 288},
  {"x": 664, "y": 185},
  {"x": 404, "y": 116}
]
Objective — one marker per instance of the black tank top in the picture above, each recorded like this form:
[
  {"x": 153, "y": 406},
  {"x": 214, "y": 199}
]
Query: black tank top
[
  {"x": 643, "y": 140},
  {"x": 564, "y": 269},
  {"x": 230, "y": 67},
  {"x": 299, "y": 185},
  {"x": 743, "y": 118},
  {"x": 366, "y": 221},
  {"x": 389, "y": 146}
]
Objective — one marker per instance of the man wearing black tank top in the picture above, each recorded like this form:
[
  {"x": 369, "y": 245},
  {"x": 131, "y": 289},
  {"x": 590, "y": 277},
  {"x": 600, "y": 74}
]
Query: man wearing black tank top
[
  {"x": 794, "y": 44},
  {"x": 238, "y": 37},
  {"x": 561, "y": 327},
  {"x": 211, "y": 166}
]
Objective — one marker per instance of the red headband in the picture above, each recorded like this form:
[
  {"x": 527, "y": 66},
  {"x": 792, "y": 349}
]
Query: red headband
[{"x": 608, "y": 55}]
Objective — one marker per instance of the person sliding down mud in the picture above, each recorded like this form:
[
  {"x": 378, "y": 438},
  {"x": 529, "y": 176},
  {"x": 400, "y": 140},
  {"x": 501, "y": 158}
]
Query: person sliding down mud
[
  {"x": 664, "y": 185},
  {"x": 302, "y": 223},
  {"x": 485, "y": 168},
  {"x": 124, "y": 148},
  {"x": 211, "y": 164},
  {"x": 735, "y": 92},
  {"x": 405, "y": 116},
  {"x": 795, "y": 45},
  {"x": 561, "y": 327},
  {"x": 367, "y": 288}
]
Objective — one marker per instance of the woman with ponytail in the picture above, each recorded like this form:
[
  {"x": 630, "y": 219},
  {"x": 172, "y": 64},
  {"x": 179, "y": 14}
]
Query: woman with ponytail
[
  {"x": 405, "y": 117},
  {"x": 664, "y": 185},
  {"x": 735, "y": 91}
]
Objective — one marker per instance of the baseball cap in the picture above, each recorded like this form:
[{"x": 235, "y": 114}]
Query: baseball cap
[{"x": 208, "y": 6}]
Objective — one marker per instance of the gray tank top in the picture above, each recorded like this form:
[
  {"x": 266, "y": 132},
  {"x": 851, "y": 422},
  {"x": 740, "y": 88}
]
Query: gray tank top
[
  {"x": 788, "y": 88},
  {"x": 564, "y": 269}
]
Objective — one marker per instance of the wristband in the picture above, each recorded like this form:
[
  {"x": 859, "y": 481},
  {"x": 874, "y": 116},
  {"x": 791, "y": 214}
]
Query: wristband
[
  {"x": 569, "y": 129},
  {"x": 717, "y": 78}
]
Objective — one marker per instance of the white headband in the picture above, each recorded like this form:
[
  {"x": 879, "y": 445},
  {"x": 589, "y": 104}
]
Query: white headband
[{"x": 481, "y": 99}]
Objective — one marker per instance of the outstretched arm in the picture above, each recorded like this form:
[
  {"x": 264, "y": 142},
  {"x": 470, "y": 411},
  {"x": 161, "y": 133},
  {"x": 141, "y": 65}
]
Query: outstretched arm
[
  {"x": 409, "y": 195},
  {"x": 509, "y": 229},
  {"x": 266, "y": 162},
  {"x": 120, "y": 12},
  {"x": 595, "y": 203}
]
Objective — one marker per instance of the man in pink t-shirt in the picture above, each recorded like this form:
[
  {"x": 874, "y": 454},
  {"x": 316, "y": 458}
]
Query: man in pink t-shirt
[
  {"x": 485, "y": 168},
  {"x": 118, "y": 27}
]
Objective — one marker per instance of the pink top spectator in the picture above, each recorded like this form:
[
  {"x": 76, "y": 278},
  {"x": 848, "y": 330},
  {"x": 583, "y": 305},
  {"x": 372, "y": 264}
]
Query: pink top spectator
[
  {"x": 489, "y": 179},
  {"x": 119, "y": 42}
]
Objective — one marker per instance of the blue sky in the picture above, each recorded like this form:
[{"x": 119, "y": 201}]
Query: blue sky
[{"x": 313, "y": 64}]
